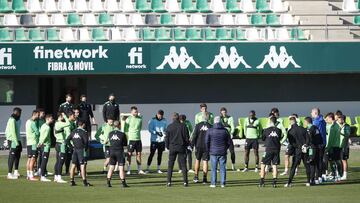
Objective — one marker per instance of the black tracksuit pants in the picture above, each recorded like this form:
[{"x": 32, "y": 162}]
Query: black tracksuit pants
[
  {"x": 181, "y": 154},
  {"x": 297, "y": 158}
]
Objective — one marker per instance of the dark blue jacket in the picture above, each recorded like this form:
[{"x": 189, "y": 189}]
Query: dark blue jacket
[
  {"x": 217, "y": 140},
  {"x": 321, "y": 124}
]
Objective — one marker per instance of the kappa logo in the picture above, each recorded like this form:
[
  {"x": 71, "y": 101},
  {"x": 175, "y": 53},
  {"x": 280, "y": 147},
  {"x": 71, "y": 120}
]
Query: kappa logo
[
  {"x": 275, "y": 60},
  {"x": 204, "y": 128},
  {"x": 225, "y": 60},
  {"x": 114, "y": 137},
  {"x": 273, "y": 134},
  {"x": 135, "y": 58},
  {"x": 76, "y": 136},
  {"x": 175, "y": 61},
  {"x": 6, "y": 59}
]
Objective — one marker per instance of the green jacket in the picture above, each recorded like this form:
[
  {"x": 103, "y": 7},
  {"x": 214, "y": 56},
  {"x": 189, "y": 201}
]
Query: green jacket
[
  {"x": 12, "y": 132},
  {"x": 32, "y": 132},
  {"x": 102, "y": 134},
  {"x": 132, "y": 128},
  {"x": 228, "y": 123},
  {"x": 40, "y": 122},
  {"x": 332, "y": 136},
  {"x": 69, "y": 129},
  {"x": 45, "y": 135},
  {"x": 199, "y": 118},
  {"x": 59, "y": 129},
  {"x": 252, "y": 129},
  {"x": 344, "y": 135}
]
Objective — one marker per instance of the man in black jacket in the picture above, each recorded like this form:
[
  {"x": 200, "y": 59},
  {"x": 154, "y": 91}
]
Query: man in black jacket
[
  {"x": 315, "y": 152},
  {"x": 111, "y": 109},
  {"x": 86, "y": 113},
  {"x": 198, "y": 140},
  {"x": 301, "y": 143},
  {"x": 176, "y": 141},
  {"x": 80, "y": 143},
  {"x": 67, "y": 107},
  {"x": 272, "y": 137}
]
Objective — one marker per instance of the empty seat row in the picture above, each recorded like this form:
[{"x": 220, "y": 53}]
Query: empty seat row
[
  {"x": 90, "y": 19},
  {"x": 145, "y": 6},
  {"x": 152, "y": 34}
]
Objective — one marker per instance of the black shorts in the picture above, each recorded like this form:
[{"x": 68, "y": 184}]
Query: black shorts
[
  {"x": 335, "y": 154},
  {"x": 201, "y": 154},
  {"x": 271, "y": 158},
  {"x": 290, "y": 150},
  {"x": 78, "y": 156},
  {"x": 31, "y": 151},
  {"x": 107, "y": 152},
  {"x": 345, "y": 153},
  {"x": 160, "y": 146},
  {"x": 117, "y": 157},
  {"x": 135, "y": 146},
  {"x": 251, "y": 144}
]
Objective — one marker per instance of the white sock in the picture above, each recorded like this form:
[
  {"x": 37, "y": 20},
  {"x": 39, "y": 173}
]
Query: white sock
[
  {"x": 139, "y": 167},
  {"x": 27, "y": 173},
  {"x": 345, "y": 174},
  {"x": 129, "y": 167},
  {"x": 31, "y": 174}
]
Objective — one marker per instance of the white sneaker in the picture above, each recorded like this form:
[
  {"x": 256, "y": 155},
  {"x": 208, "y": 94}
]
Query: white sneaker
[
  {"x": 191, "y": 171},
  {"x": 213, "y": 186},
  {"x": 256, "y": 170},
  {"x": 343, "y": 178},
  {"x": 36, "y": 173},
  {"x": 61, "y": 181},
  {"x": 245, "y": 170},
  {"x": 128, "y": 173},
  {"x": 180, "y": 171},
  {"x": 159, "y": 172},
  {"x": 55, "y": 178},
  {"x": 317, "y": 182},
  {"x": 44, "y": 179},
  {"x": 287, "y": 185},
  {"x": 307, "y": 184},
  {"x": 285, "y": 173},
  {"x": 141, "y": 172},
  {"x": 222, "y": 186},
  {"x": 11, "y": 177},
  {"x": 16, "y": 173}
]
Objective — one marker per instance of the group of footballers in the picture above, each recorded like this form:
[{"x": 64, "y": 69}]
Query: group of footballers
[{"x": 316, "y": 141}]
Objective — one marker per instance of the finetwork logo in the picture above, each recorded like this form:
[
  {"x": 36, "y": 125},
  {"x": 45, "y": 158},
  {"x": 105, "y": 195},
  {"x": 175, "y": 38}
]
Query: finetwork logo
[
  {"x": 136, "y": 58},
  {"x": 6, "y": 59}
]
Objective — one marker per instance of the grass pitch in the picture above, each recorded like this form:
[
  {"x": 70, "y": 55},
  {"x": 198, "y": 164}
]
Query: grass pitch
[{"x": 241, "y": 187}]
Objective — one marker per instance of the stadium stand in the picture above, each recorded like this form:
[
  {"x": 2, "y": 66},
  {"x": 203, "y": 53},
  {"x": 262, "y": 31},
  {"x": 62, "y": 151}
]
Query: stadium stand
[{"x": 177, "y": 20}]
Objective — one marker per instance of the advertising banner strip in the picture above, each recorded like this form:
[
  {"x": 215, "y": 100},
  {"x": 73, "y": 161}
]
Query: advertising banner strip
[{"x": 178, "y": 58}]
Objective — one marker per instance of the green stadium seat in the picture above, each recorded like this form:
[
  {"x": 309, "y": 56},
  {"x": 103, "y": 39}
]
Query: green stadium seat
[
  {"x": 98, "y": 34},
  {"x": 5, "y": 35},
  {"x": 223, "y": 34},
  {"x": 105, "y": 19},
  {"x": 263, "y": 122},
  {"x": 166, "y": 19},
  {"x": 232, "y": 6},
  {"x": 257, "y": 19},
  {"x": 142, "y": 6},
  {"x": 52, "y": 34},
  {"x": 238, "y": 34},
  {"x": 4, "y": 7},
  {"x": 179, "y": 34},
  {"x": 193, "y": 34},
  {"x": 209, "y": 34},
  {"x": 20, "y": 35},
  {"x": 272, "y": 20},
  {"x": 35, "y": 35},
  {"x": 18, "y": 6},
  {"x": 163, "y": 34},
  {"x": 158, "y": 6},
  {"x": 148, "y": 34},
  {"x": 262, "y": 6},
  {"x": 188, "y": 6},
  {"x": 297, "y": 34},
  {"x": 203, "y": 6},
  {"x": 73, "y": 19},
  {"x": 357, "y": 20}
]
